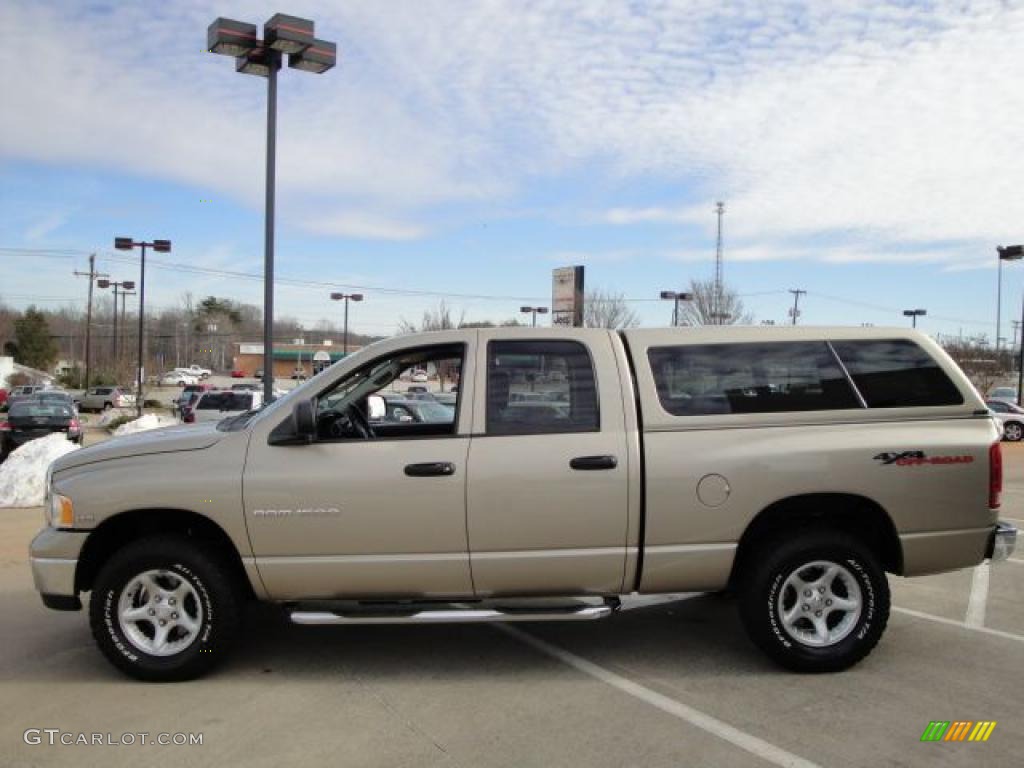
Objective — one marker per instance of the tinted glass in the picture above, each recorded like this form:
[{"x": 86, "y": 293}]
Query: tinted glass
[
  {"x": 708, "y": 379},
  {"x": 540, "y": 386},
  {"x": 896, "y": 373},
  {"x": 995, "y": 405},
  {"x": 211, "y": 402},
  {"x": 38, "y": 409}
]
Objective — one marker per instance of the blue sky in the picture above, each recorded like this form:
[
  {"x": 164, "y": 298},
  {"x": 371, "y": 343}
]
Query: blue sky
[{"x": 866, "y": 153}]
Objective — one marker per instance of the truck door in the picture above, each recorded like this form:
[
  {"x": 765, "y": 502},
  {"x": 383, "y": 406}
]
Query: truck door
[
  {"x": 372, "y": 507},
  {"x": 547, "y": 495}
]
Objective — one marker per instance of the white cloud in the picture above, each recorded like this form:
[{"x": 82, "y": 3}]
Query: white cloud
[
  {"x": 865, "y": 122},
  {"x": 363, "y": 225}
]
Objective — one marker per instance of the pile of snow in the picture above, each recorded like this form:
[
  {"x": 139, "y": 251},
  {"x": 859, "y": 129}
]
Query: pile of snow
[
  {"x": 149, "y": 421},
  {"x": 23, "y": 474},
  {"x": 108, "y": 416}
]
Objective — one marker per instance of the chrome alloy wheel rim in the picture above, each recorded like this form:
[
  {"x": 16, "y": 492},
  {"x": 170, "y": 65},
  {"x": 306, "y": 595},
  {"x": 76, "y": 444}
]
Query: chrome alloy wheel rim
[
  {"x": 820, "y": 603},
  {"x": 160, "y": 612}
]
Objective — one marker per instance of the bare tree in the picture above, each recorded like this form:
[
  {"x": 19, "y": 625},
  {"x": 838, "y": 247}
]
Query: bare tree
[
  {"x": 603, "y": 309},
  {"x": 437, "y": 319},
  {"x": 709, "y": 307},
  {"x": 983, "y": 365}
]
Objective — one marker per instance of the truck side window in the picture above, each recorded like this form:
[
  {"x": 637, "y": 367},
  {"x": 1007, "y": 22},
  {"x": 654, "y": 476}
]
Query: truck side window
[
  {"x": 537, "y": 387},
  {"x": 771, "y": 377},
  {"x": 896, "y": 373}
]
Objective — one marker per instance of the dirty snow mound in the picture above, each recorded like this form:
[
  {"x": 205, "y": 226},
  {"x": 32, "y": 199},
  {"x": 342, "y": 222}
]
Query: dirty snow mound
[
  {"x": 108, "y": 416},
  {"x": 23, "y": 474},
  {"x": 149, "y": 421}
]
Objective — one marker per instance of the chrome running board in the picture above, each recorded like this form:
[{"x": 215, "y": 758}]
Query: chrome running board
[{"x": 452, "y": 615}]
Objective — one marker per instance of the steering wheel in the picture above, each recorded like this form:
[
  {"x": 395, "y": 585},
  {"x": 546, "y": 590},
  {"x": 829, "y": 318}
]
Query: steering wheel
[{"x": 360, "y": 424}]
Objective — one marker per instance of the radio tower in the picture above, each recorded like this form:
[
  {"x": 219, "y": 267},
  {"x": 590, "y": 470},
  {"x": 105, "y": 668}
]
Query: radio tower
[{"x": 718, "y": 319}]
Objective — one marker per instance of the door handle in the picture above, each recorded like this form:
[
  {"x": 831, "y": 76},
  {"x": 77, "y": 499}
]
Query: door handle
[
  {"x": 593, "y": 462},
  {"x": 430, "y": 469}
]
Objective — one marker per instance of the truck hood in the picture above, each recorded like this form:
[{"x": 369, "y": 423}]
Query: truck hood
[{"x": 165, "y": 440}]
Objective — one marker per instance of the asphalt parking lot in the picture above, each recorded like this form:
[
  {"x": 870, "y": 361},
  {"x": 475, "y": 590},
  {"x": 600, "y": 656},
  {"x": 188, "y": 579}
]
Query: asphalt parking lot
[{"x": 663, "y": 683}]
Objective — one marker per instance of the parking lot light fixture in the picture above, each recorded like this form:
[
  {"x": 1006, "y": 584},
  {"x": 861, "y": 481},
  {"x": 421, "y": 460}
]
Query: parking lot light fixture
[
  {"x": 913, "y": 314},
  {"x": 346, "y": 297},
  {"x": 534, "y": 311},
  {"x": 676, "y": 297},
  {"x": 1005, "y": 253},
  {"x": 282, "y": 35},
  {"x": 127, "y": 244}
]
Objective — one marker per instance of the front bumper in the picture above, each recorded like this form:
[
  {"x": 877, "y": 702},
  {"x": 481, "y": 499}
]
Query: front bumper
[
  {"x": 1001, "y": 542},
  {"x": 53, "y": 555}
]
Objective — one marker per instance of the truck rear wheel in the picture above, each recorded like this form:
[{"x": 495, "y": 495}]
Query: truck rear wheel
[
  {"x": 815, "y": 602},
  {"x": 164, "y": 609}
]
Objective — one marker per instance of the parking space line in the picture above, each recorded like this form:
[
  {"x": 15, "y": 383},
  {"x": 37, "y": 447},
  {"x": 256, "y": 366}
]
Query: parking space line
[
  {"x": 962, "y": 625},
  {"x": 978, "y": 600},
  {"x": 745, "y": 741}
]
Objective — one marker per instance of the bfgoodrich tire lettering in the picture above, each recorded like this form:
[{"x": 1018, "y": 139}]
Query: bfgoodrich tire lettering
[
  {"x": 845, "y": 630},
  {"x": 212, "y": 603}
]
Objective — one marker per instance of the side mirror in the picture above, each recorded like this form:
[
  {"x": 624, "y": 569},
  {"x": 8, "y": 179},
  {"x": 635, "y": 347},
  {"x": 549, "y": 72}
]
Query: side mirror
[{"x": 304, "y": 420}]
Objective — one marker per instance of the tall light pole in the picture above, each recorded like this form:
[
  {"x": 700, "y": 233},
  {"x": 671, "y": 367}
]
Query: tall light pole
[
  {"x": 124, "y": 318},
  {"x": 1008, "y": 253},
  {"x": 913, "y": 314},
  {"x": 160, "y": 246},
  {"x": 281, "y": 35},
  {"x": 119, "y": 286},
  {"x": 346, "y": 297},
  {"x": 676, "y": 297},
  {"x": 534, "y": 311}
]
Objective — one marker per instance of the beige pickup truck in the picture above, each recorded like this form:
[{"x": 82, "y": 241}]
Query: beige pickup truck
[{"x": 795, "y": 467}]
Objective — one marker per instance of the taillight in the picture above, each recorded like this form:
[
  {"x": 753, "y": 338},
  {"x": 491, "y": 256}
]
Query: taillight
[
  {"x": 73, "y": 425},
  {"x": 4, "y": 426},
  {"x": 995, "y": 475},
  {"x": 189, "y": 417}
]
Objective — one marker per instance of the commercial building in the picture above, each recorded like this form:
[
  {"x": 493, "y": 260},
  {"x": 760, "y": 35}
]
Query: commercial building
[{"x": 288, "y": 358}]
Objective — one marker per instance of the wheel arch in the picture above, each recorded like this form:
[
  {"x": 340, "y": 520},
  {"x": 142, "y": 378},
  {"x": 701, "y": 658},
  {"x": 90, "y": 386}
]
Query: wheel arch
[
  {"x": 114, "y": 532},
  {"x": 851, "y": 513}
]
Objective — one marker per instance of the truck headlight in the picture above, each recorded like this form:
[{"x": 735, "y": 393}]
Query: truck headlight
[{"x": 60, "y": 511}]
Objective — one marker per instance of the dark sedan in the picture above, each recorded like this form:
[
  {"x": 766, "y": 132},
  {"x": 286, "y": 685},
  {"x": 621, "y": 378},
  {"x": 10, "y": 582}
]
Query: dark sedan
[{"x": 29, "y": 419}]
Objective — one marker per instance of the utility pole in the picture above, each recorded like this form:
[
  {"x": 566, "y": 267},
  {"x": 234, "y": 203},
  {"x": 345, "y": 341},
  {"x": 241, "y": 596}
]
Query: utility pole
[
  {"x": 720, "y": 210},
  {"x": 124, "y": 323},
  {"x": 92, "y": 274},
  {"x": 795, "y": 311}
]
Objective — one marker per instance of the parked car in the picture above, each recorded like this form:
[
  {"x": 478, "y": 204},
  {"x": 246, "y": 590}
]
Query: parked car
[
  {"x": 1010, "y": 416},
  {"x": 3, "y": 397},
  {"x": 219, "y": 404},
  {"x": 237, "y": 374},
  {"x": 794, "y": 466},
  {"x": 105, "y": 398},
  {"x": 418, "y": 411},
  {"x": 258, "y": 374},
  {"x": 299, "y": 374},
  {"x": 417, "y": 389},
  {"x": 1006, "y": 394},
  {"x": 37, "y": 417},
  {"x": 245, "y": 388},
  {"x": 189, "y": 394},
  {"x": 196, "y": 370},
  {"x": 24, "y": 392},
  {"x": 178, "y": 379},
  {"x": 419, "y": 375}
]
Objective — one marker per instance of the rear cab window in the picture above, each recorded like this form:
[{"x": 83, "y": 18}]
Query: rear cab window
[{"x": 799, "y": 376}]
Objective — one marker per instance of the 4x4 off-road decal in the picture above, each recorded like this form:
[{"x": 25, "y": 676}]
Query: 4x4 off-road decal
[{"x": 918, "y": 458}]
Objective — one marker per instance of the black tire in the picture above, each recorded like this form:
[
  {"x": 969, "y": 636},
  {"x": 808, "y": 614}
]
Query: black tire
[
  {"x": 764, "y": 594},
  {"x": 214, "y": 591},
  {"x": 1013, "y": 431},
  {"x": 107, "y": 406}
]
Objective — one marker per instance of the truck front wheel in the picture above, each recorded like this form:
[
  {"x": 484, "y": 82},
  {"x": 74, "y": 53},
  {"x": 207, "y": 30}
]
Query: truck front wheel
[
  {"x": 164, "y": 609},
  {"x": 815, "y": 602}
]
